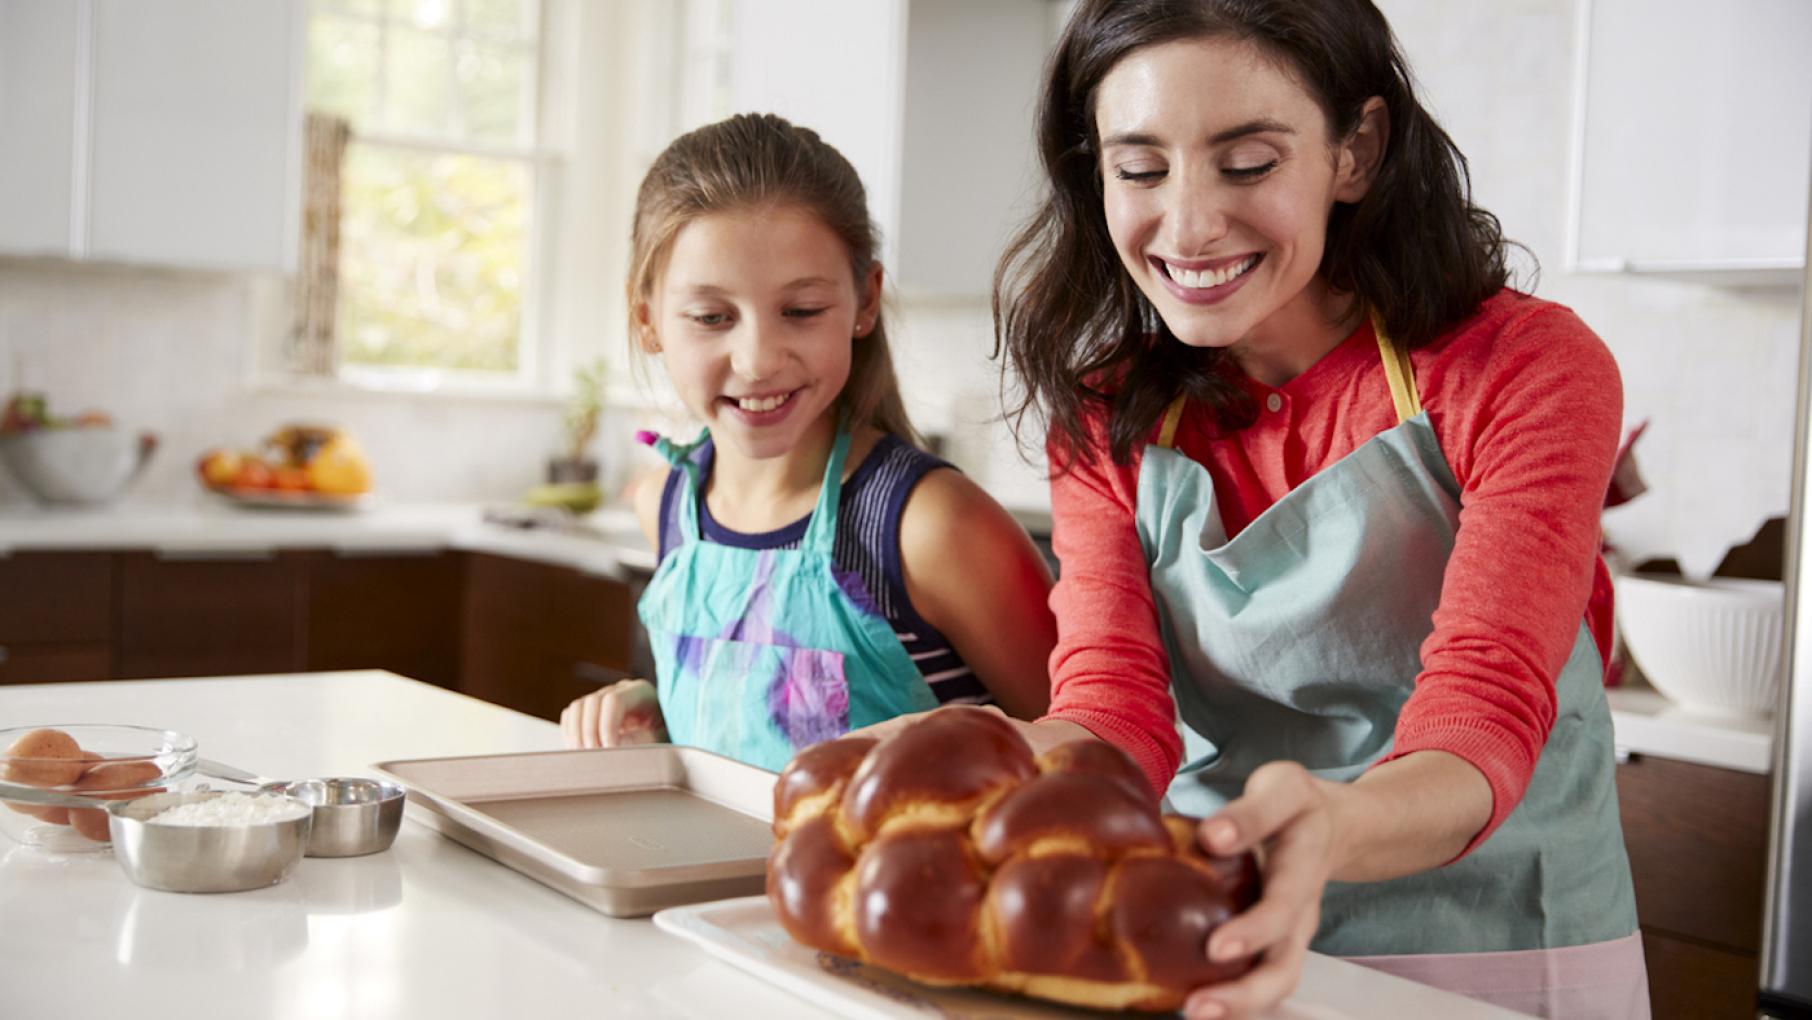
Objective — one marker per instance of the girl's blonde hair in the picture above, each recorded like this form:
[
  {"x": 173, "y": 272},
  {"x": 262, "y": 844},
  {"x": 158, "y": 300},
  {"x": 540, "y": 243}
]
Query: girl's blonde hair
[{"x": 751, "y": 161}]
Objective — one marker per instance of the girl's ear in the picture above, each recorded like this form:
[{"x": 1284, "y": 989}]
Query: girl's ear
[
  {"x": 645, "y": 337},
  {"x": 1363, "y": 152},
  {"x": 868, "y": 308}
]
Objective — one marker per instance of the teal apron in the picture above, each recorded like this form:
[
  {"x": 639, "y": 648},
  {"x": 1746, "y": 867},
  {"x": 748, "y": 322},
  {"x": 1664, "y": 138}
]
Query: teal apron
[
  {"x": 761, "y": 652},
  {"x": 1299, "y": 639}
]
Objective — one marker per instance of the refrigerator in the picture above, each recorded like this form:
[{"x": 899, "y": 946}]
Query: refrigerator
[{"x": 1786, "y": 971}]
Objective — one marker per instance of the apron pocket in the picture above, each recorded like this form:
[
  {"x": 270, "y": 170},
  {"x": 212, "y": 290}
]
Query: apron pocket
[{"x": 761, "y": 702}]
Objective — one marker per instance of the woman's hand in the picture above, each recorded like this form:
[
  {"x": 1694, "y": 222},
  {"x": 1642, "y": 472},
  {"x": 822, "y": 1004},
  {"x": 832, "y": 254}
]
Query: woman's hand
[
  {"x": 624, "y": 713},
  {"x": 1287, "y": 816}
]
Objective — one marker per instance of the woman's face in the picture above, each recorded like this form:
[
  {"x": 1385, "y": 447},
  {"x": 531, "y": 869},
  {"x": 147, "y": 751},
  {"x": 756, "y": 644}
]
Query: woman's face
[
  {"x": 1218, "y": 176},
  {"x": 753, "y": 317}
]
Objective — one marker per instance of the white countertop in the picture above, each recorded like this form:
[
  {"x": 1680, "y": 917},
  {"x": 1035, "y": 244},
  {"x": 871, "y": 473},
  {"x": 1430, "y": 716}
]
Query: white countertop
[
  {"x": 607, "y": 542},
  {"x": 1645, "y": 722},
  {"x": 426, "y": 930}
]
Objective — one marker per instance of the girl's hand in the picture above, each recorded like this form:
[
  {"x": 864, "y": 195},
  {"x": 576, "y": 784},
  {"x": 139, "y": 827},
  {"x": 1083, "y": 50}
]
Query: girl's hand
[
  {"x": 624, "y": 713},
  {"x": 1287, "y": 816}
]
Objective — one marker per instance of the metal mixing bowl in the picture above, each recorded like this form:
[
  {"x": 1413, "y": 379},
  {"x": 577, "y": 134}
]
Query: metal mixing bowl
[
  {"x": 203, "y": 858},
  {"x": 184, "y": 858},
  {"x": 353, "y": 816}
]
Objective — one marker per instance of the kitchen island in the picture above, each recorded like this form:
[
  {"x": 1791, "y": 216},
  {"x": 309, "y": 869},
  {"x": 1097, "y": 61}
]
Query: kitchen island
[{"x": 428, "y": 929}]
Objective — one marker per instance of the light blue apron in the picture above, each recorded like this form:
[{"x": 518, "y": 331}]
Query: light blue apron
[
  {"x": 1300, "y": 637},
  {"x": 761, "y": 652}
]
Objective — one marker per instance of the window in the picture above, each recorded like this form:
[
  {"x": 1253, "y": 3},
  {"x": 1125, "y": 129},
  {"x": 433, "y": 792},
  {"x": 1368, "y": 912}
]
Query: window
[{"x": 439, "y": 187}]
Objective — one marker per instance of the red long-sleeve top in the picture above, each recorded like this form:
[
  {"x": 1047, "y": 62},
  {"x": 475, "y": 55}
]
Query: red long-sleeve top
[{"x": 1527, "y": 404}]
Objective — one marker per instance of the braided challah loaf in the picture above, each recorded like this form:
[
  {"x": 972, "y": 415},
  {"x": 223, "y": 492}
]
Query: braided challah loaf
[{"x": 951, "y": 855}]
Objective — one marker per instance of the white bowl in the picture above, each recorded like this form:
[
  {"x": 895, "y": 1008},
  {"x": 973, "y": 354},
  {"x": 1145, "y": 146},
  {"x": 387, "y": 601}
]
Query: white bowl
[
  {"x": 76, "y": 465},
  {"x": 1712, "y": 646}
]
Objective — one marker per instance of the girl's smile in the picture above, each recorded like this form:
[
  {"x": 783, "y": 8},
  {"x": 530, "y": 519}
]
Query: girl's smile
[{"x": 754, "y": 317}]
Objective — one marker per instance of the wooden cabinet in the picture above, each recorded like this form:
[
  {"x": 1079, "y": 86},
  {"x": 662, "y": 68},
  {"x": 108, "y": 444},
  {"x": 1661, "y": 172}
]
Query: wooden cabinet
[
  {"x": 385, "y": 610},
  {"x": 211, "y": 613},
  {"x": 56, "y": 616},
  {"x": 1697, "y": 842},
  {"x": 535, "y": 636},
  {"x": 163, "y": 133},
  {"x": 527, "y": 635}
]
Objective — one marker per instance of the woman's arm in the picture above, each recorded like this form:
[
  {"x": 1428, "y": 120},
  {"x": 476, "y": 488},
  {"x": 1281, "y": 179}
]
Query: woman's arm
[
  {"x": 1110, "y": 673},
  {"x": 972, "y": 572}
]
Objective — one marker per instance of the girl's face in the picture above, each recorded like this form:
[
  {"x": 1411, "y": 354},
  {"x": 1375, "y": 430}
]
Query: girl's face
[
  {"x": 753, "y": 316},
  {"x": 1218, "y": 176}
]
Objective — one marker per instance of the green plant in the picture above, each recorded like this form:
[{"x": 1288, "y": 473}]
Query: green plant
[{"x": 587, "y": 405}]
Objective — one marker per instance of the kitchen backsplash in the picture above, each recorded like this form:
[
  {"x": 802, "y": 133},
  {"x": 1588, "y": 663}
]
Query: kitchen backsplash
[{"x": 1712, "y": 369}]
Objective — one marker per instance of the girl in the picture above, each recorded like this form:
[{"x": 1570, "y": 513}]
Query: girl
[
  {"x": 1328, "y": 492},
  {"x": 817, "y": 571}
]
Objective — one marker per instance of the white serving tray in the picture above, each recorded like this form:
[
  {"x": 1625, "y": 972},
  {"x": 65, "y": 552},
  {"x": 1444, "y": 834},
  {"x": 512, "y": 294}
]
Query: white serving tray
[
  {"x": 745, "y": 933},
  {"x": 627, "y": 831}
]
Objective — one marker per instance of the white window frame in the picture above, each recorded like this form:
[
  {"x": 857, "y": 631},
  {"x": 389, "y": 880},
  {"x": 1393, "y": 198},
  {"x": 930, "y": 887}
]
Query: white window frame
[{"x": 539, "y": 361}]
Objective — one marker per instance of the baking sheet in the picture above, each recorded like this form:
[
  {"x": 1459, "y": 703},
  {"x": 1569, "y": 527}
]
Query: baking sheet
[
  {"x": 627, "y": 831},
  {"x": 744, "y": 932}
]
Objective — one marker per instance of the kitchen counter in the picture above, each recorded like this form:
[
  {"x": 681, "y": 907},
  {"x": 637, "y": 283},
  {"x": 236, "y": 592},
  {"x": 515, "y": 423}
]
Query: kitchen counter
[
  {"x": 1645, "y": 722},
  {"x": 426, "y": 930},
  {"x": 607, "y": 542}
]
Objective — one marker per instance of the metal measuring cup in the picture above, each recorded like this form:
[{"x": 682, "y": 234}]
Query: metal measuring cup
[
  {"x": 353, "y": 816},
  {"x": 187, "y": 858}
]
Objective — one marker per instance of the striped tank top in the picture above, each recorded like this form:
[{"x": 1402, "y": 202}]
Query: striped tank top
[{"x": 867, "y": 549}]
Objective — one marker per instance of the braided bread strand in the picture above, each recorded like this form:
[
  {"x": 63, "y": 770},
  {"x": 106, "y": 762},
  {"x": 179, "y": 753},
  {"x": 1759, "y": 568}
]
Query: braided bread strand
[{"x": 951, "y": 855}]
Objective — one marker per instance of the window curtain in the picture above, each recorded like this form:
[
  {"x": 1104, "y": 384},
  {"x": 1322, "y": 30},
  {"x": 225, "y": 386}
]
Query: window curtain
[{"x": 310, "y": 350}]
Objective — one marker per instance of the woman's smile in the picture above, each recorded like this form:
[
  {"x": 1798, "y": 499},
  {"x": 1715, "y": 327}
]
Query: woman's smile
[
  {"x": 1205, "y": 282},
  {"x": 1218, "y": 177}
]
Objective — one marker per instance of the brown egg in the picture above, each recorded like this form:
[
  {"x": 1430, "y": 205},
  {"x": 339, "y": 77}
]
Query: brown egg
[
  {"x": 44, "y": 758},
  {"x": 118, "y": 780}
]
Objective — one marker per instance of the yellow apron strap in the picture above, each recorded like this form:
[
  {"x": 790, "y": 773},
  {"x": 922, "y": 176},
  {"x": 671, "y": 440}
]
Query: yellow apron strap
[
  {"x": 1400, "y": 372},
  {"x": 1397, "y": 369},
  {"x": 1167, "y": 433}
]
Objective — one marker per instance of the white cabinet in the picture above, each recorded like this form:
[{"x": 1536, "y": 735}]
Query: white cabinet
[
  {"x": 169, "y": 132},
  {"x": 1694, "y": 140},
  {"x": 931, "y": 100},
  {"x": 40, "y": 78}
]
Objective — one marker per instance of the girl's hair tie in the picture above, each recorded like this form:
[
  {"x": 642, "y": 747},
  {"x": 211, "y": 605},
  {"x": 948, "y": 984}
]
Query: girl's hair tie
[{"x": 646, "y": 437}]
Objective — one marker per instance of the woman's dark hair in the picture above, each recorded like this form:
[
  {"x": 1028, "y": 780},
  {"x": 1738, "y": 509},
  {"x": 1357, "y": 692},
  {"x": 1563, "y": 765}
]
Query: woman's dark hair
[{"x": 1074, "y": 326}]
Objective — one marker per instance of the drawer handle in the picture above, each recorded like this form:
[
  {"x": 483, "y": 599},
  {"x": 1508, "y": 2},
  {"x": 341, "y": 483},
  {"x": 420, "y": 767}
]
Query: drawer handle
[
  {"x": 3, "y": 655},
  {"x": 179, "y": 554}
]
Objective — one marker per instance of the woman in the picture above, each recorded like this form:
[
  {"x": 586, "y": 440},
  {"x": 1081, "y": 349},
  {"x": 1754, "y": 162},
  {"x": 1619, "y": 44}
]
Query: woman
[{"x": 1326, "y": 503}]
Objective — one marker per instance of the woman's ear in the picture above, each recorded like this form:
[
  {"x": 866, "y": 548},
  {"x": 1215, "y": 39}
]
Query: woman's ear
[
  {"x": 868, "y": 309},
  {"x": 1363, "y": 152},
  {"x": 645, "y": 337}
]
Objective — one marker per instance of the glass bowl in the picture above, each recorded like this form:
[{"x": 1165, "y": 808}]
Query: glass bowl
[{"x": 102, "y": 760}]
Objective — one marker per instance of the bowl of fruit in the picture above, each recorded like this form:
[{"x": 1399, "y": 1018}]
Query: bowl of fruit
[
  {"x": 83, "y": 459},
  {"x": 297, "y": 467}
]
